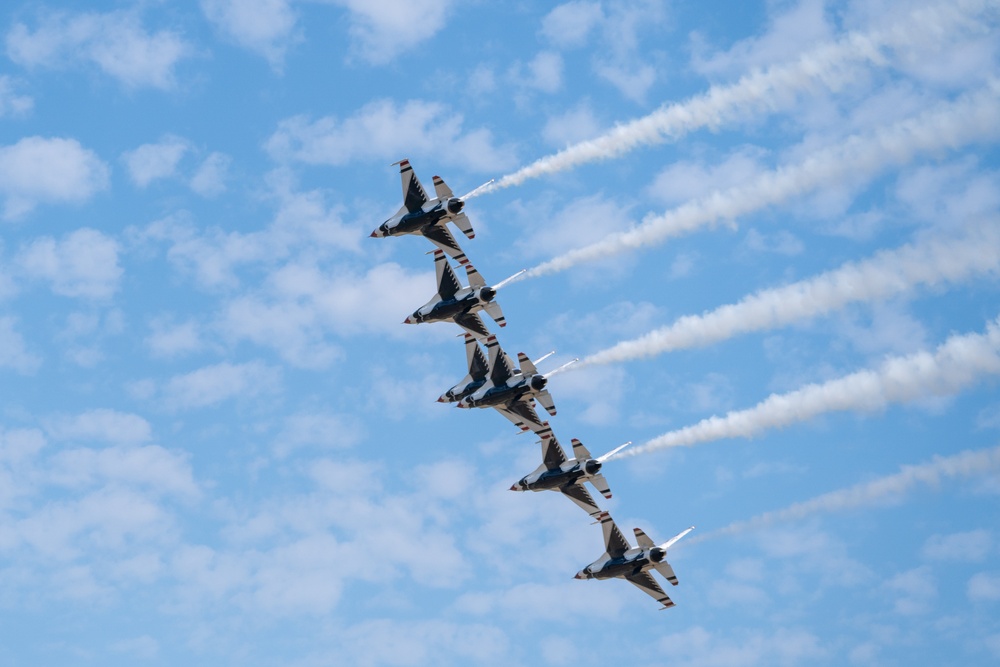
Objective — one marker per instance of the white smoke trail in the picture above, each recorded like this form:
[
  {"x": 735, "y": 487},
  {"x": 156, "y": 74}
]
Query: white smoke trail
[
  {"x": 886, "y": 274},
  {"x": 831, "y": 65},
  {"x": 879, "y": 491},
  {"x": 974, "y": 117},
  {"x": 957, "y": 363}
]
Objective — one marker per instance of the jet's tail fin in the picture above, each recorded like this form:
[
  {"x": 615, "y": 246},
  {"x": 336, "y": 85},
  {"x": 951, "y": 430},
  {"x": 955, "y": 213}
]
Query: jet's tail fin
[
  {"x": 527, "y": 367},
  {"x": 475, "y": 278}
]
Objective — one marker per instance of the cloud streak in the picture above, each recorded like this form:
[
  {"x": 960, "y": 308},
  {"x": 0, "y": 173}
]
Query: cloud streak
[
  {"x": 974, "y": 117},
  {"x": 889, "y": 273},
  {"x": 831, "y": 65},
  {"x": 959, "y": 362},
  {"x": 884, "y": 490}
]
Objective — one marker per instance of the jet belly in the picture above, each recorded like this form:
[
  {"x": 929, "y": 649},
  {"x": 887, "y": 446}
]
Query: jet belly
[
  {"x": 458, "y": 392},
  {"x": 447, "y": 310},
  {"x": 413, "y": 223},
  {"x": 499, "y": 395},
  {"x": 555, "y": 479},
  {"x": 623, "y": 566}
]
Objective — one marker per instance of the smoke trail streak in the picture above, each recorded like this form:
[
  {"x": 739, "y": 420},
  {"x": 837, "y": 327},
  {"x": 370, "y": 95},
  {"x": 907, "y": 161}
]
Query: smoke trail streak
[
  {"x": 832, "y": 65},
  {"x": 879, "y": 491},
  {"x": 974, "y": 117},
  {"x": 957, "y": 363},
  {"x": 886, "y": 274}
]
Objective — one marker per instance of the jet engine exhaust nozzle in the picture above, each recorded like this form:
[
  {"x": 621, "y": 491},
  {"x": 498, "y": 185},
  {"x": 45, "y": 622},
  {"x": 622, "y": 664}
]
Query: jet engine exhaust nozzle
[
  {"x": 487, "y": 294},
  {"x": 592, "y": 467},
  {"x": 657, "y": 554},
  {"x": 455, "y": 205},
  {"x": 538, "y": 382}
]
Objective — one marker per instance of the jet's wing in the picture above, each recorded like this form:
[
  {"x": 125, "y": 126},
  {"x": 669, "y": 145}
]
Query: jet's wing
[
  {"x": 643, "y": 539},
  {"x": 472, "y": 323},
  {"x": 478, "y": 368},
  {"x": 522, "y": 415},
  {"x": 448, "y": 283},
  {"x": 501, "y": 368},
  {"x": 414, "y": 196},
  {"x": 441, "y": 189},
  {"x": 645, "y": 582},
  {"x": 552, "y": 453},
  {"x": 614, "y": 541},
  {"x": 440, "y": 236},
  {"x": 579, "y": 495}
]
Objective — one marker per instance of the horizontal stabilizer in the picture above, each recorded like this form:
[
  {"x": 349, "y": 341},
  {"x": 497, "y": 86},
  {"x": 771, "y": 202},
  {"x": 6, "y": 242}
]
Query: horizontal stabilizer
[{"x": 667, "y": 572}]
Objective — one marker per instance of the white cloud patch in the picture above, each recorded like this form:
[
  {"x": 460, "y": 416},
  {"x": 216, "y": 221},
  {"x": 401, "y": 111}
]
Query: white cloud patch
[
  {"x": 266, "y": 27},
  {"x": 82, "y": 264},
  {"x": 152, "y": 162},
  {"x": 209, "y": 180},
  {"x": 570, "y": 127},
  {"x": 214, "y": 384},
  {"x": 797, "y": 29},
  {"x": 100, "y": 424},
  {"x": 543, "y": 73},
  {"x": 984, "y": 587},
  {"x": 914, "y": 591},
  {"x": 115, "y": 42},
  {"x": 14, "y": 353},
  {"x": 13, "y": 104},
  {"x": 40, "y": 170},
  {"x": 570, "y": 25},
  {"x": 970, "y": 547},
  {"x": 382, "y": 30},
  {"x": 382, "y": 130},
  {"x": 698, "y": 647},
  {"x": 168, "y": 339},
  {"x": 317, "y": 429}
]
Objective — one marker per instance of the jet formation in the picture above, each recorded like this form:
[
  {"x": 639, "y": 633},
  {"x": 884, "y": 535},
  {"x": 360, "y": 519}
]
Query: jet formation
[{"x": 494, "y": 381}]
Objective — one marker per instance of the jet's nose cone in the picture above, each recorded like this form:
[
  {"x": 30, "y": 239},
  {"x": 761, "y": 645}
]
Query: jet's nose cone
[
  {"x": 442, "y": 398},
  {"x": 513, "y": 487},
  {"x": 578, "y": 575},
  {"x": 408, "y": 320},
  {"x": 374, "y": 234}
]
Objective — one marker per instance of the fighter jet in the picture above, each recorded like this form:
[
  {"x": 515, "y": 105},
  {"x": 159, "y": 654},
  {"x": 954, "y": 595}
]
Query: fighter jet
[
  {"x": 510, "y": 390},
  {"x": 478, "y": 370},
  {"x": 558, "y": 474},
  {"x": 461, "y": 304},
  {"x": 621, "y": 559},
  {"x": 421, "y": 215}
]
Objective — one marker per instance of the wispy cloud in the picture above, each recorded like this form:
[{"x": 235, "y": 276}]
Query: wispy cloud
[
  {"x": 116, "y": 42},
  {"x": 889, "y": 273},
  {"x": 880, "y": 491},
  {"x": 957, "y": 363},
  {"x": 830, "y": 65},
  {"x": 48, "y": 169},
  {"x": 973, "y": 118}
]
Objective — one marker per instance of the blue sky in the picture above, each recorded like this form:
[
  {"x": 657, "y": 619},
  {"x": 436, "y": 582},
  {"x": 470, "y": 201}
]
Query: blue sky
[{"x": 769, "y": 229}]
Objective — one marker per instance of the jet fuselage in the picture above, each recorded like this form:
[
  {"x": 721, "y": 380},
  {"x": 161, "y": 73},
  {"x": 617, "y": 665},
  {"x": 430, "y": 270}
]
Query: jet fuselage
[
  {"x": 633, "y": 561},
  {"x": 461, "y": 390},
  {"x": 515, "y": 388},
  {"x": 431, "y": 213},
  {"x": 571, "y": 472},
  {"x": 465, "y": 301}
]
